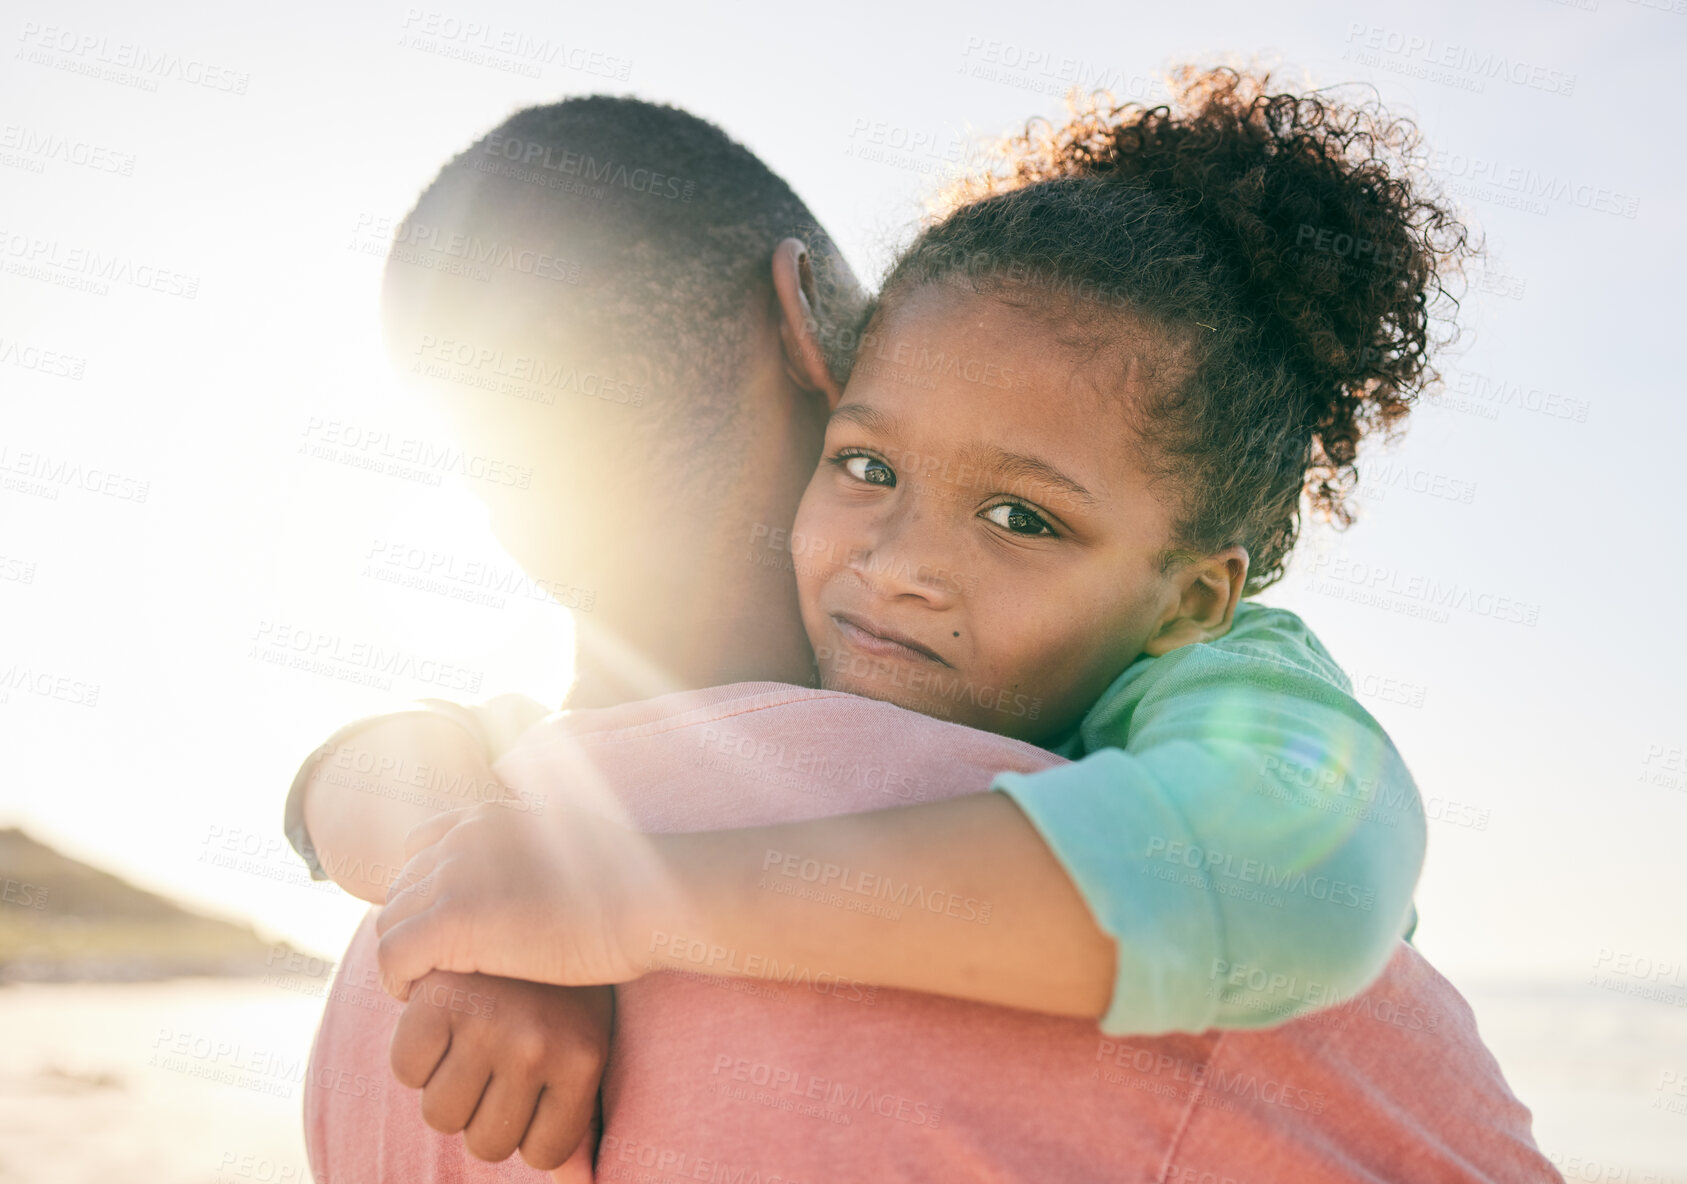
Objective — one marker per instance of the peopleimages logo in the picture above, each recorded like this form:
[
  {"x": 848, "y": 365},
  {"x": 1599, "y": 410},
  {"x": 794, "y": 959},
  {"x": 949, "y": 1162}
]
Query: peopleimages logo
[
  {"x": 261, "y": 1070},
  {"x": 1436, "y": 60},
  {"x": 1220, "y": 1085},
  {"x": 928, "y": 689},
  {"x": 473, "y": 581},
  {"x": 433, "y": 247},
  {"x": 1257, "y": 872},
  {"x": 23, "y": 894},
  {"x": 1486, "y": 392},
  {"x": 35, "y": 148},
  {"x": 44, "y": 475},
  {"x": 820, "y": 769},
  {"x": 850, "y": 882},
  {"x": 841, "y": 1100},
  {"x": 260, "y": 1169},
  {"x": 1662, "y": 980},
  {"x": 1047, "y": 71},
  {"x": 1359, "y": 251},
  {"x": 41, "y": 361},
  {"x": 354, "y": 660},
  {"x": 713, "y": 959},
  {"x": 582, "y": 166},
  {"x": 88, "y": 269},
  {"x": 1522, "y": 187},
  {"x": 518, "y": 375},
  {"x": 509, "y": 50},
  {"x": 1414, "y": 594},
  {"x": 124, "y": 61},
  {"x": 1377, "y": 481},
  {"x": 793, "y": 550},
  {"x": 1285, "y": 995},
  {"x": 410, "y": 457},
  {"x": 643, "y": 1163},
  {"x": 48, "y": 685}
]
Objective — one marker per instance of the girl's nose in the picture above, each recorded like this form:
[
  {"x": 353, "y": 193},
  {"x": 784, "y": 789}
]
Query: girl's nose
[{"x": 910, "y": 554}]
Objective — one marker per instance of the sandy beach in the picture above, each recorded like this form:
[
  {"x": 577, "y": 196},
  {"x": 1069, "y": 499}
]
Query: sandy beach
[{"x": 198, "y": 1081}]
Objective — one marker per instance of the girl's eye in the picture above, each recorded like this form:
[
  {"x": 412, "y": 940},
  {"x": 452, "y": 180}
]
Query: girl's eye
[
  {"x": 1015, "y": 518},
  {"x": 870, "y": 469}
]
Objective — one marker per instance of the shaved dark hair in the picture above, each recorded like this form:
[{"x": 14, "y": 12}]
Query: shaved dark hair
[{"x": 632, "y": 225}]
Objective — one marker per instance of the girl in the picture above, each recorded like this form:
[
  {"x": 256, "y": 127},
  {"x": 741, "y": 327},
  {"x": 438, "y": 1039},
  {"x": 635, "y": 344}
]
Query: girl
[{"x": 1098, "y": 388}]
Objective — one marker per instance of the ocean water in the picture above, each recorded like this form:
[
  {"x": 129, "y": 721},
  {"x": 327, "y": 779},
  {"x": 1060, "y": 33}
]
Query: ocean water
[
  {"x": 1604, "y": 1072},
  {"x": 200, "y": 1081},
  {"x": 187, "y": 1082}
]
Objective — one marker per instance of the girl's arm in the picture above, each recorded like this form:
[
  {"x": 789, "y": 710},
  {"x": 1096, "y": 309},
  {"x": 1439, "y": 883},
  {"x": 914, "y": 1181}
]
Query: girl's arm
[
  {"x": 369, "y": 784},
  {"x": 959, "y": 897},
  {"x": 1244, "y": 850}
]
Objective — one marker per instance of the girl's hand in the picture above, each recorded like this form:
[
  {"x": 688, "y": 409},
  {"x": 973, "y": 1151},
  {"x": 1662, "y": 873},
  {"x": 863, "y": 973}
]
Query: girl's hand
[
  {"x": 509, "y": 1064},
  {"x": 491, "y": 890}
]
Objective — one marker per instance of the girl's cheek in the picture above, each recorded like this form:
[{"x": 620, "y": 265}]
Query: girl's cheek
[
  {"x": 1021, "y": 656},
  {"x": 810, "y": 523},
  {"x": 815, "y": 548}
]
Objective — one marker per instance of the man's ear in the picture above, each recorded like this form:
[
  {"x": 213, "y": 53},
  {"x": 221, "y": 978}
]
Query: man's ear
[
  {"x": 796, "y": 304},
  {"x": 1206, "y": 605}
]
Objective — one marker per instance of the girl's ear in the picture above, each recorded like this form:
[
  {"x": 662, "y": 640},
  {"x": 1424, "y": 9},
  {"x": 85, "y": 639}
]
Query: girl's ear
[
  {"x": 796, "y": 305},
  {"x": 1207, "y": 606}
]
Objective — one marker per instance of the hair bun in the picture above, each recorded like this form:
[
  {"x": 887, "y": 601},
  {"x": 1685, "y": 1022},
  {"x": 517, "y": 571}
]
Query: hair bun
[{"x": 1318, "y": 209}]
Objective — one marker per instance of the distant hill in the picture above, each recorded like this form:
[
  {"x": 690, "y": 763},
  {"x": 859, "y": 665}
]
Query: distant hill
[{"x": 62, "y": 920}]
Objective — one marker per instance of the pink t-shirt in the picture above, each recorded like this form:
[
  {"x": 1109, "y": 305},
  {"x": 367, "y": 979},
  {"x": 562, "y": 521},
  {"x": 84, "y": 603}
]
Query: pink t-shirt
[{"x": 758, "y": 1081}]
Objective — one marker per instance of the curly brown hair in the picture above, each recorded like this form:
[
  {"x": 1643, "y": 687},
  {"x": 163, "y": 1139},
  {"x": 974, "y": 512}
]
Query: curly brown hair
[{"x": 1287, "y": 244}]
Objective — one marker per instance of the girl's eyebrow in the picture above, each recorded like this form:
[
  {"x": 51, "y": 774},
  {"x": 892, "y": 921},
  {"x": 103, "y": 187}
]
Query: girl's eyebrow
[
  {"x": 867, "y": 417},
  {"x": 1017, "y": 466},
  {"x": 999, "y": 463}
]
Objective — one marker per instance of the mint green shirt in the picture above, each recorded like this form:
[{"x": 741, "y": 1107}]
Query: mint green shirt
[{"x": 1240, "y": 825}]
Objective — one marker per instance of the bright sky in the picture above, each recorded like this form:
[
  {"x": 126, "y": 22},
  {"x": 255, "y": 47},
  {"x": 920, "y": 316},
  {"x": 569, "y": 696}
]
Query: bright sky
[{"x": 166, "y": 521}]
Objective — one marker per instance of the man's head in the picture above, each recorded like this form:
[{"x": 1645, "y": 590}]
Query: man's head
[{"x": 618, "y": 296}]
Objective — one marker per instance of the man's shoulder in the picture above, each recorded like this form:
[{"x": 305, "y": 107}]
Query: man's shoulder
[
  {"x": 1407, "y": 1050},
  {"x": 801, "y": 715},
  {"x": 685, "y": 708},
  {"x": 753, "y": 754}
]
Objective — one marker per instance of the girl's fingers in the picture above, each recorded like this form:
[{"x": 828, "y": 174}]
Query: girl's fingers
[
  {"x": 452, "y": 1093},
  {"x": 412, "y": 946},
  {"x": 426, "y": 834},
  {"x": 558, "y": 1132},
  {"x": 578, "y": 1169},
  {"x": 398, "y": 988},
  {"x": 413, "y": 881},
  {"x": 500, "y": 1121},
  {"x": 420, "y": 1042}
]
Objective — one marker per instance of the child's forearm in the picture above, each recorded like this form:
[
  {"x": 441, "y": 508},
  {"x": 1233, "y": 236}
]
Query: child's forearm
[
  {"x": 365, "y": 796},
  {"x": 960, "y": 897}
]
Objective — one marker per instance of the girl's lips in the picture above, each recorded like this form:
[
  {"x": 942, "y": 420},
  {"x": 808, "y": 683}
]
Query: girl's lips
[{"x": 881, "y": 642}]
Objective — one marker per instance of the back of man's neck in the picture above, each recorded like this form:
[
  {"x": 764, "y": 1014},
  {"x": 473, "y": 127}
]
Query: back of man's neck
[{"x": 610, "y": 669}]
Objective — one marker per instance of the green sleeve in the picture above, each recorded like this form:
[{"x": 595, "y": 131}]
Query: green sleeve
[{"x": 1240, "y": 825}]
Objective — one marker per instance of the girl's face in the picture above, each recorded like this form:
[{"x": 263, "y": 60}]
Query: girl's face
[{"x": 978, "y": 543}]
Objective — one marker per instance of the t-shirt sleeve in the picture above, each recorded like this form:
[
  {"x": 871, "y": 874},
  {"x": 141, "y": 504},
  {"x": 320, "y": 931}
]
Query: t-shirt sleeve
[
  {"x": 495, "y": 725},
  {"x": 1241, "y": 826}
]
